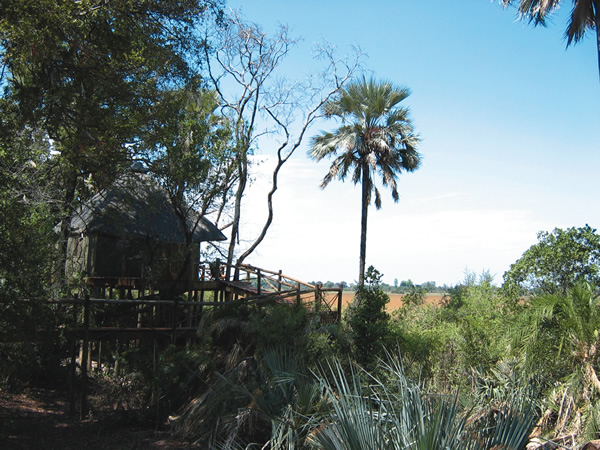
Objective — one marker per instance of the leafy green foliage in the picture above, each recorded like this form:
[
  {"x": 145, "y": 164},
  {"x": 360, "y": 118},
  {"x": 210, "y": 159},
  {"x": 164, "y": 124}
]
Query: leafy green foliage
[
  {"x": 414, "y": 296},
  {"x": 368, "y": 319},
  {"x": 281, "y": 325},
  {"x": 395, "y": 413},
  {"x": 186, "y": 148},
  {"x": 26, "y": 201},
  {"x": 26, "y": 254},
  {"x": 558, "y": 262},
  {"x": 259, "y": 387},
  {"x": 87, "y": 75},
  {"x": 89, "y": 72},
  {"x": 553, "y": 338},
  {"x": 562, "y": 333},
  {"x": 442, "y": 344}
]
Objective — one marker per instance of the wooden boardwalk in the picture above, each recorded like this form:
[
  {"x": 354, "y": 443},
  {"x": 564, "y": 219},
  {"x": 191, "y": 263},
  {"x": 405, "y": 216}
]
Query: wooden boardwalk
[
  {"x": 142, "y": 313},
  {"x": 141, "y": 317}
]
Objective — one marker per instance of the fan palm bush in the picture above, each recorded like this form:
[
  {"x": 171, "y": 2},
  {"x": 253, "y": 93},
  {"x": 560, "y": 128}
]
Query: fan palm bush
[
  {"x": 559, "y": 339},
  {"x": 270, "y": 402},
  {"x": 395, "y": 413},
  {"x": 256, "y": 392}
]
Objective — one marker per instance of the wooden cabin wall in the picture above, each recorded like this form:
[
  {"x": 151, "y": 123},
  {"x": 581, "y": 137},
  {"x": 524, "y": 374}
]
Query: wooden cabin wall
[
  {"x": 112, "y": 258},
  {"x": 78, "y": 261},
  {"x": 123, "y": 258},
  {"x": 169, "y": 262}
]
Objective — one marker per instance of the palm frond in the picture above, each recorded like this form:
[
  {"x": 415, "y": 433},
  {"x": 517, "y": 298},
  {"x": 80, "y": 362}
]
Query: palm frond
[
  {"x": 582, "y": 18},
  {"x": 375, "y": 129},
  {"x": 354, "y": 423}
]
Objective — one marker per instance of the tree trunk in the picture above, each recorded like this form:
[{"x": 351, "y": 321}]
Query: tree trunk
[
  {"x": 363, "y": 224},
  {"x": 65, "y": 229},
  {"x": 591, "y": 373},
  {"x": 269, "y": 220},
  {"x": 235, "y": 228}
]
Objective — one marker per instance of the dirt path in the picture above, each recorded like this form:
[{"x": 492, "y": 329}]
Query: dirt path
[{"x": 39, "y": 419}]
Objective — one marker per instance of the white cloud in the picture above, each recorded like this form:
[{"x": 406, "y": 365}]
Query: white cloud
[{"x": 315, "y": 234}]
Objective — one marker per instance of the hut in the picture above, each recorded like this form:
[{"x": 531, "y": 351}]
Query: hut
[{"x": 131, "y": 236}]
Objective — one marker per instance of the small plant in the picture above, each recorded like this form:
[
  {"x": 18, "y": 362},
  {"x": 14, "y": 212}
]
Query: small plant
[
  {"x": 414, "y": 297},
  {"x": 368, "y": 320}
]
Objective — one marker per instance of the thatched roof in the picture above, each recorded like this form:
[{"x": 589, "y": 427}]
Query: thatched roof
[{"x": 137, "y": 207}]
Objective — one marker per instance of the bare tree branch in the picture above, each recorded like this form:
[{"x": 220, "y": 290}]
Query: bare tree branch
[{"x": 242, "y": 64}]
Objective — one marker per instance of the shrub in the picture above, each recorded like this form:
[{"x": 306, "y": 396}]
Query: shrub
[{"x": 368, "y": 319}]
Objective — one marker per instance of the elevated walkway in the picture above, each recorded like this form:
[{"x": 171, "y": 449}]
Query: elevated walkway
[
  {"x": 141, "y": 316},
  {"x": 142, "y": 313}
]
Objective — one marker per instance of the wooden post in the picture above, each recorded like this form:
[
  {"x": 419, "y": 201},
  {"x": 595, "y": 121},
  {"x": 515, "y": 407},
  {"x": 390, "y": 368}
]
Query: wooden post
[
  {"x": 258, "y": 281},
  {"x": 279, "y": 282},
  {"x": 140, "y": 315},
  {"x": 318, "y": 297},
  {"x": 190, "y": 308},
  {"x": 72, "y": 373},
  {"x": 201, "y": 300},
  {"x": 99, "y": 366},
  {"x": 73, "y": 370},
  {"x": 298, "y": 299},
  {"x": 174, "y": 332},
  {"x": 197, "y": 310},
  {"x": 339, "y": 310},
  {"x": 89, "y": 356},
  {"x": 84, "y": 366},
  {"x": 117, "y": 368}
]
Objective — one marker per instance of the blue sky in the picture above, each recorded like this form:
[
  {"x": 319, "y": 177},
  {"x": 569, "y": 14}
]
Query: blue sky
[{"x": 510, "y": 128}]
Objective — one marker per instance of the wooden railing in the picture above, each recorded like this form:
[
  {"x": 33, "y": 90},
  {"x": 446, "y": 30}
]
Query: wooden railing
[
  {"x": 254, "y": 284},
  {"x": 249, "y": 284},
  {"x": 104, "y": 317}
]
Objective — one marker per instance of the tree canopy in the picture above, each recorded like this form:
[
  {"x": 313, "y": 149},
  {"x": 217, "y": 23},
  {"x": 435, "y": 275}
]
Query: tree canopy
[
  {"x": 87, "y": 73},
  {"x": 559, "y": 261},
  {"x": 584, "y": 15}
]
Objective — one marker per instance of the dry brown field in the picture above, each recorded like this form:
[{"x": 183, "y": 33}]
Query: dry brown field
[{"x": 395, "y": 300}]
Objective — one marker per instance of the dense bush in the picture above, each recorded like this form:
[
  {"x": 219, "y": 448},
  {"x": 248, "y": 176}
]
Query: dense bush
[{"x": 368, "y": 319}]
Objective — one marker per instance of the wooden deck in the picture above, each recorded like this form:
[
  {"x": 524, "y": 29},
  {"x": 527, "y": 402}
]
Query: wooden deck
[
  {"x": 130, "y": 310},
  {"x": 141, "y": 312}
]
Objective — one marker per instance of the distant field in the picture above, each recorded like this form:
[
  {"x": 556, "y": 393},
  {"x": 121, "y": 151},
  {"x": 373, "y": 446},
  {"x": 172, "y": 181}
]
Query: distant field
[{"x": 395, "y": 299}]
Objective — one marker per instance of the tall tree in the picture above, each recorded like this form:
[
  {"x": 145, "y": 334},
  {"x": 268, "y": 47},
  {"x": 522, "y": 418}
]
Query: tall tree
[
  {"x": 243, "y": 62},
  {"x": 585, "y": 14},
  {"x": 187, "y": 150},
  {"x": 376, "y": 136},
  {"x": 559, "y": 261},
  {"x": 88, "y": 72}
]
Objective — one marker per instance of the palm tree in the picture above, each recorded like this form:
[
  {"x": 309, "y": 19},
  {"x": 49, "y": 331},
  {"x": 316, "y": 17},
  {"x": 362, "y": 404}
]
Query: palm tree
[
  {"x": 376, "y": 135},
  {"x": 562, "y": 338},
  {"x": 585, "y": 14}
]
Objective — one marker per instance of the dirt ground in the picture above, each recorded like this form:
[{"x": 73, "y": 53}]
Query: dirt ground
[
  {"x": 39, "y": 419},
  {"x": 396, "y": 300}
]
